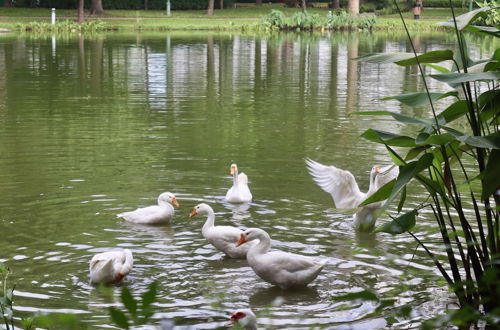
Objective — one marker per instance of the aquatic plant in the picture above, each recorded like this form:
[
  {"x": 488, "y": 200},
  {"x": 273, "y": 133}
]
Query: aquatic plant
[
  {"x": 337, "y": 20},
  {"x": 456, "y": 168},
  {"x": 137, "y": 312},
  {"x": 6, "y": 299},
  {"x": 62, "y": 26}
]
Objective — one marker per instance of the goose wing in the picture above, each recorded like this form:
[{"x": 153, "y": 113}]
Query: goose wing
[{"x": 341, "y": 184}]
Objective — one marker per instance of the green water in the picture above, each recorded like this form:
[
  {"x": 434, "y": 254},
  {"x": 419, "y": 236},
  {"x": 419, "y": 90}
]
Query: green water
[{"x": 90, "y": 127}]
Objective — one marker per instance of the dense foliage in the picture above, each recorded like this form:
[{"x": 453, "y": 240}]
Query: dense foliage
[
  {"x": 124, "y": 4},
  {"x": 339, "y": 20},
  {"x": 458, "y": 168}
]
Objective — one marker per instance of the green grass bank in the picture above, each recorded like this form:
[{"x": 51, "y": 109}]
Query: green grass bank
[{"x": 237, "y": 19}]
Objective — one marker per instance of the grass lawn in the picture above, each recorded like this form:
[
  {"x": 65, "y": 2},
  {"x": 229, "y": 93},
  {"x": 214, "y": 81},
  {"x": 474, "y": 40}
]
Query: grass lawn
[{"x": 247, "y": 16}]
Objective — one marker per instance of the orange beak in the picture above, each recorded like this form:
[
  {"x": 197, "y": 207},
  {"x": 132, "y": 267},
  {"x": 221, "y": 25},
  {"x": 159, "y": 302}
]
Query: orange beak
[
  {"x": 175, "y": 202},
  {"x": 241, "y": 240},
  {"x": 232, "y": 170},
  {"x": 193, "y": 213},
  {"x": 377, "y": 169},
  {"x": 119, "y": 276}
]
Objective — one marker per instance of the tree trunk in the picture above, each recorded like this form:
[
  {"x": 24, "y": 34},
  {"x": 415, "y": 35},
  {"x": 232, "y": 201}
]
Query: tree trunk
[
  {"x": 145, "y": 4},
  {"x": 336, "y": 4},
  {"x": 8, "y": 3},
  {"x": 353, "y": 7},
  {"x": 258, "y": 2},
  {"x": 210, "y": 10},
  {"x": 80, "y": 18},
  {"x": 303, "y": 5},
  {"x": 96, "y": 7},
  {"x": 221, "y": 4}
]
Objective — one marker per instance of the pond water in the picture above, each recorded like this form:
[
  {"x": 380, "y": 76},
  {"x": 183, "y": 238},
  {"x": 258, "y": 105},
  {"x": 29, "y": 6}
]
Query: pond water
[{"x": 91, "y": 127}]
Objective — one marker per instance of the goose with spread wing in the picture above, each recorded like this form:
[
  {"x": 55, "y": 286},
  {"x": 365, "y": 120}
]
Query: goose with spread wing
[{"x": 345, "y": 192}]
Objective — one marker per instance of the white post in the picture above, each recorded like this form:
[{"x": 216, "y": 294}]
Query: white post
[
  {"x": 53, "y": 17},
  {"x": 168, "y": 7}
]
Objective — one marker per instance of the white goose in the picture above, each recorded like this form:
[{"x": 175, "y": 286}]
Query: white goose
[
  {"x": 345, "y": 192},
  {"x": 112, "y": 266},
  {"x": 245, "y": 317},
  {"x": 155, "y": 214},
  {"x": 223, "y": 238},
  {"x": 277, "y": 267},
  {"x": 239, "y": 192}
]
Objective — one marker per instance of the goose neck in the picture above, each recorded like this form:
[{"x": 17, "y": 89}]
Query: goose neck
[
  {"x": 210, "y": 221},
  {"x": 263, "y": 246}
]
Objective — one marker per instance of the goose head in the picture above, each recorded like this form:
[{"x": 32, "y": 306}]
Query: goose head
[
  {"x": 244, "y": 317},
  {"x": 251, "y": 234},
  {"x": 169, "y": 198},
  {"x": 200, "y": 209},
  {"x": 233, "y": 169}
]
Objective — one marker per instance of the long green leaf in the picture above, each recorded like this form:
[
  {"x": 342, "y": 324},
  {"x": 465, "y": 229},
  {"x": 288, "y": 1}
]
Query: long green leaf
[
  {"x": 490, "y": 30},
  {"x": 464, "y": 20},
  {"x": 435, "y": 56},
  {"x": 457, "y": 78},
  {"x": 402, "y": 199},
  {"x": 381, "y": 194},
  {"x": 383, "y": 58},
  {"x": 149, "y": 296},
  {"x": 491, "y": 141},
  {"x": 439, "y": 68},
  {"x": 129, "y": 301},
  {"x": 491, "y": 180},
  {"x": 453, "y": 112},
  {"x": 388, "y": 138},
  {"x": 119, "y": 318},
  {"x": 399, "y": 117},
  {"x": 421, "y": 98},
  {"x": 400, "y": 224},
  {"x": 363, "y": 295}
]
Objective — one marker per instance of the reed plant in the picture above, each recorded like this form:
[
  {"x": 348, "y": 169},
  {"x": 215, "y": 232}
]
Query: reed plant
[{"x": 455, "y": 157}]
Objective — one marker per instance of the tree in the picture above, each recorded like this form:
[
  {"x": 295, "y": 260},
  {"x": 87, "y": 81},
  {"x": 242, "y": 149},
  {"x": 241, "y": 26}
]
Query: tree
[
  {"x": 9, "y": 3},
  {"x": 210, "y": 10},
  {"x": 258, "y": 2},
  {"x": 96, "y": 7},
  {"x": 353, "y": 7},
  {"x": 335, "y": 4},
  {"x": 80, "y": 18},
  {"x": 303, "y": 5}
]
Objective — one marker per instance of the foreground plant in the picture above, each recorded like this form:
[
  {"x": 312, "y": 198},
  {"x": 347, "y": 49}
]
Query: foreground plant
[
  {"x": 6, "y": 299},
  {"x": 458, "y": 169}
]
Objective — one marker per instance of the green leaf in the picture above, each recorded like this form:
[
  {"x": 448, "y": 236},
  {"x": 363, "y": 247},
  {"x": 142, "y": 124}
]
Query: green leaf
[
  {"x": 435, "y": 56},
  {"x": 490, "y": 30},
  {"x": 491, "y": 180},
  {"x": 381, "y": 194},
  {"x": 129, "y": 301},
  {"x": 118, "y": 317},
  {"x": 388, "y": 138},
  {"x": 464, "y": 20},
  {"x": 362, "y": 295},
  {"x": 149, "y": 296},
  {"x": 414, "y": 152},
  {"x": 491, "y": 141},
  {"x": 402, "y": 200},
  {"x": 383, "y": 58},
  {"x": 439, "y": 68},
  {"x": 399, "y": 117},
  {"x": 457, "y": 78},
  {"x": 421, "y": 98},
  {"x": 400, "y": 224},
  {"x": 453, "y": 112}
]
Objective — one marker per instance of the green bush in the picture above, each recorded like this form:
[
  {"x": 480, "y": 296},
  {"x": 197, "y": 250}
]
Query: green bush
[{"x": 125, "y": 4}]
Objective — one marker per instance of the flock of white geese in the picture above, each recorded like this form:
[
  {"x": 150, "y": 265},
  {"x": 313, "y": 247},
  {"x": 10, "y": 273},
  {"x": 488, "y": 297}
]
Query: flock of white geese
[{"x": 279, "y": 268}]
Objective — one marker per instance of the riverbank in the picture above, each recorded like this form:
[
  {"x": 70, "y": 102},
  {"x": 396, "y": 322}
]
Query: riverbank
[{"x": 248, "y": 18}]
